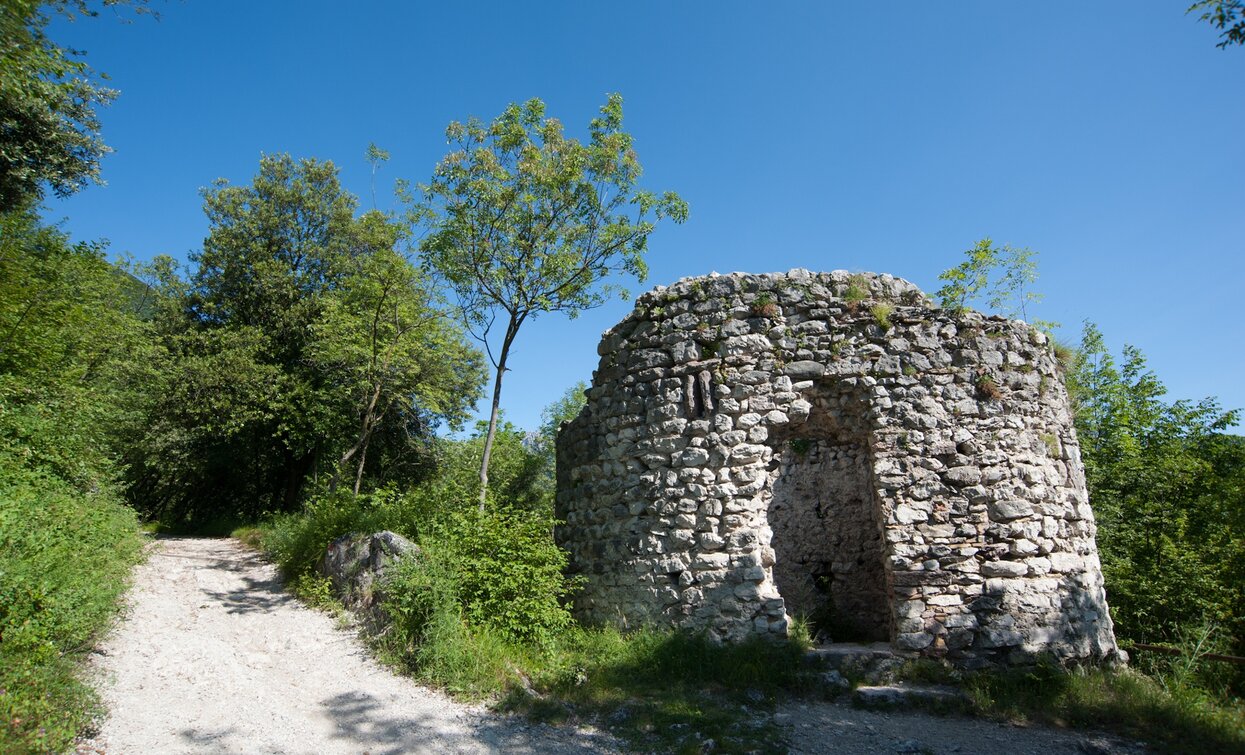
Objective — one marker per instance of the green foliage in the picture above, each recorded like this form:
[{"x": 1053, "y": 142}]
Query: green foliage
[
  {"x": 1226, "y": 15},
  {"x": 857, "y": 290},
  {"x": 64, "y": 559},
  {"x": 526, "y": 220},
  {"x": 297, "y": 540},
  {"x": 987, "y": 387},
  {"x": 564, "y": 409},
  {"x": 73, "y": 353},
  {"x": 667, "y": 691},
  {"x": 509, "y": 572},
  {"x": 430, "y": 638},
  {"x": 1168, "y": 489},
  {"x": 764, "y": 305},
  {"x": 801, "y": 446},
  {"x": 304, "y": 347},
  {"x": 375, "y": 156},
  {"x": 1002, "y": 276},
  {"x": 49, "y": 128},
  {"x": 882, "y": 315}
]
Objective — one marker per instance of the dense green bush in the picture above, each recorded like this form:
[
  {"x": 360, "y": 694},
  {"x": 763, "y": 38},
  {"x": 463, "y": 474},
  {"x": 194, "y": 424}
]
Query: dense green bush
[
  {"x": 73, "y": 357},
  {"x": 1167, "y": 483},
  {"x": 499, "y": 566},
  {"x": 64, "y": 559}
]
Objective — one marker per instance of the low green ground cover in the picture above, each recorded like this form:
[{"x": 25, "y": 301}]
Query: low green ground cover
[
  {"x": 1160, "y": 710},
  {"x": 64, "y": 560},
  {"x": 481, "y": 614}
]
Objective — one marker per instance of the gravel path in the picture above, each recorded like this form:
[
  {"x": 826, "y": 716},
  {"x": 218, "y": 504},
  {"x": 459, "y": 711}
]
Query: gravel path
[
  {"x": 214, "y": 657},
  {"x": 816, "y": 728}
]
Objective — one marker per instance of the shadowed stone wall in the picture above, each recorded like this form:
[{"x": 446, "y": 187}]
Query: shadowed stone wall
[{"x": 756, "y": 447}]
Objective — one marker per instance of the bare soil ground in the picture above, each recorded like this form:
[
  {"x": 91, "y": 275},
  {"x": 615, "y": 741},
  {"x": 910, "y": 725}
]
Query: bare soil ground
[{"x": 214, "y": 657}]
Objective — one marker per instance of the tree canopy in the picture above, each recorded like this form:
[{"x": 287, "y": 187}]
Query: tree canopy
[
  {"x": 524, "y": 220},
  {"x": 303, "y": 339},
  {"x": 1226, "y": 15}
]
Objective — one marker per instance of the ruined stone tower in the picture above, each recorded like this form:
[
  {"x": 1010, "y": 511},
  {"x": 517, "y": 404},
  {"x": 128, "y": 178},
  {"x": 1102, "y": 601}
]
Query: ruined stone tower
[{"x": 756, "y": 447}]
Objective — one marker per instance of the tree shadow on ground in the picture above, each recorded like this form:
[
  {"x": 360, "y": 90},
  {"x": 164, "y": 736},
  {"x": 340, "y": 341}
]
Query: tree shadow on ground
[
  {"x": 367, "y": 723},
  {"x": 253, "y": 596}
]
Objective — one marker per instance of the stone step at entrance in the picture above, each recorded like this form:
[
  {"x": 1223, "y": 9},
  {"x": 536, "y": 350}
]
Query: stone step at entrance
[
  {"x": 871, "y": 662},
  {"x": 909, "y": 695}
]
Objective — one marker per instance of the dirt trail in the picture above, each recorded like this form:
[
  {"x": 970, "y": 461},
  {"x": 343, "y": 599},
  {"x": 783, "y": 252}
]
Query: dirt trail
[{"x": 214, "y": 657}]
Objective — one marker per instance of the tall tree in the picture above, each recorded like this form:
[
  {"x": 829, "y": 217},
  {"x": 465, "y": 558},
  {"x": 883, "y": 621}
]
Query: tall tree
[
  {"x": 277, "y": 249},
  {"x": 389, "y": 347},
  {"x": 526, "y": 220},
  {"x": 302, "y": 337},
  {"x": 1165, "y": 480}
]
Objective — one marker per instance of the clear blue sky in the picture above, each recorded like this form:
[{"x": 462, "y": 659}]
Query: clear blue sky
[{"x": 866, "y": 136}]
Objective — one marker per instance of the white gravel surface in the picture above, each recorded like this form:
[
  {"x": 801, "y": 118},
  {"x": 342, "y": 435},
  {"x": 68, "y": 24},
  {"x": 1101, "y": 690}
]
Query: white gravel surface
[
  {"x": 212, "y": 656},
  {"x": 828, "y": 728}
]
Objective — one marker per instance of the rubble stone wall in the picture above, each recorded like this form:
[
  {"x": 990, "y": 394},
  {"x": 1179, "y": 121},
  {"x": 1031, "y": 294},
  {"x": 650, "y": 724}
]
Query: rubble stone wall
[{"x": 760, "y": 446}]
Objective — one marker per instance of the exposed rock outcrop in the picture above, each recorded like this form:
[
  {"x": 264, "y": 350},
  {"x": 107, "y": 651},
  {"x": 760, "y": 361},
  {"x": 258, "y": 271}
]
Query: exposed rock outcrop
[{"x": 356, "y": 564}]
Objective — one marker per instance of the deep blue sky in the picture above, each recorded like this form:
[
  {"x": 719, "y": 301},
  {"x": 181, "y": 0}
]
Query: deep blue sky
[{"x": 868, "y": 136}]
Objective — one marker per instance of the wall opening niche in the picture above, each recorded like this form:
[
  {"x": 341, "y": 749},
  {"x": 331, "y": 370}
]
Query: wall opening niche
[{"x": 829, "y": 553}]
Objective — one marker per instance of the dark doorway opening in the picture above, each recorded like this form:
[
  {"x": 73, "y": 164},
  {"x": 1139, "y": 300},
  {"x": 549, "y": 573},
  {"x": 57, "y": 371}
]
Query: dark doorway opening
[{"x": 829, "y": 554}]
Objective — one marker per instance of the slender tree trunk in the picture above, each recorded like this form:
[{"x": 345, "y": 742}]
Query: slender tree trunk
[
  {"x": 358, "y": 477},
  {"x": 512, "y": 329},
  {"x": 365, "y": 435}
]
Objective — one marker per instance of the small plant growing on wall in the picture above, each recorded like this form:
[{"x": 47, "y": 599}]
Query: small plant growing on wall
[
  {"x": 882, "y": 315},
  {"x": 857, "y": 291},
  {"x": 801, "y": 446},
  {"x": 987, "y": 388},
  {"x": 764, "y": 306}
]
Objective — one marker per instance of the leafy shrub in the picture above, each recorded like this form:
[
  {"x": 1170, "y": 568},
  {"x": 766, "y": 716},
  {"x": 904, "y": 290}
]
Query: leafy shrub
[
  {"x": 508, "y": 571},
  {"x": 64, "y": 558}
]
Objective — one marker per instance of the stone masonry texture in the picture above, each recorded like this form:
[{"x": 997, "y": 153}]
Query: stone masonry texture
[{"x": 833, "y": 446}]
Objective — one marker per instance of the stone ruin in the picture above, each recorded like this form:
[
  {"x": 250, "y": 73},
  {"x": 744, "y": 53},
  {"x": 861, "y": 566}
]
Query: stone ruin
[{"x": 835, "y": 447}]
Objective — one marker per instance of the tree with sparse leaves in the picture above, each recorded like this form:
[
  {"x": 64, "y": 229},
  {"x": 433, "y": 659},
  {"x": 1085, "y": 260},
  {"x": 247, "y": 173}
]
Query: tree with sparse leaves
[
  {"x": 525, "y": 220},
  {"x": 1000, "y": 277},
  {"x": 1226, "y": 15}
]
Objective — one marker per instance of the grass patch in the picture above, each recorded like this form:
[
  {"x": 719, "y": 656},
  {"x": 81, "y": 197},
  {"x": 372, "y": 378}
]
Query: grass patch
[
  {"x": 1172, "y": 717},
  {"x": 65, "y": 557},
  {"x": 882, "y": 315},
  {"x": 663, "y": 690}
]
